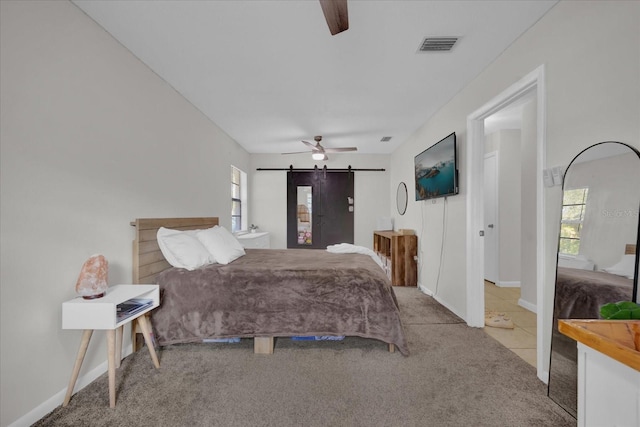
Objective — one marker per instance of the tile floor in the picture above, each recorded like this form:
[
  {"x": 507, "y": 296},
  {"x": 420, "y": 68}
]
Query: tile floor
[{"x": 522, "y": 339}]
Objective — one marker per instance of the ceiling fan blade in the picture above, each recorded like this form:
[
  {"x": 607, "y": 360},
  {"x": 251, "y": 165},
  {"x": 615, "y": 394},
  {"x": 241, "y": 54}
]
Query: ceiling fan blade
[
  {"x": 297, "y": 152},
  {"x": 335, "y": 13},
  {"x": 340, "y": 149},
  {"x": 314, "y": 147}
]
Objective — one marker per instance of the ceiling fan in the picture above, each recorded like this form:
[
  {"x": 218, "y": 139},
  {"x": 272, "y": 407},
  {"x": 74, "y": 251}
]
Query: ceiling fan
[
  {"x": 318, "y": 152},
  {"x": 335, "y": 13}
]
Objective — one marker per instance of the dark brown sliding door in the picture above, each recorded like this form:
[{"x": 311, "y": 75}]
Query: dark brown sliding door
[{"x": 320, "y": 208}]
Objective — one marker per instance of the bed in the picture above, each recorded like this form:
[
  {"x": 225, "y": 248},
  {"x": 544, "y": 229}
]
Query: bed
[
  {"x": 580, "y": 293},
  {"x": 265, "y": 294}
]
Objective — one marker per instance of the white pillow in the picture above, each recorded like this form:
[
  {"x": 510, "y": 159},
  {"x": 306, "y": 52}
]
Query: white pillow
[
  {"x": 625, "y": 267},
  {"x": 221, "y": 244},
  {"x": 182, "y": 249}
]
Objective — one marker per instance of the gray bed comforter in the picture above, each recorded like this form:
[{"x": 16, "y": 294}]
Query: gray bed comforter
[
  {"x": 581, "y": 293},
  {"x": 279, "y": 293}
]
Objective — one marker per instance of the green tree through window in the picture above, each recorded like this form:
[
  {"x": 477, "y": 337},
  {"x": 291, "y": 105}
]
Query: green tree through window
[{"x": 574, "y": 204}]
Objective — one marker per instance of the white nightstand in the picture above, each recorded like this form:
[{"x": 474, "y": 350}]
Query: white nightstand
[
  {"x": 100, "y": 313},
  {"x": 258, "y": 240}
]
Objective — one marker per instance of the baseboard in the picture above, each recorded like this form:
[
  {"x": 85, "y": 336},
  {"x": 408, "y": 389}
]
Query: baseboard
[
  {"x": 504, "y": 284},
  {"x": 529, "y": 306},
  {"x": 425, "y": 290},
  {"x": 441, "y": 301},
  {"x": 56, "y": 400},
  {"x": 545, "y": 377}
]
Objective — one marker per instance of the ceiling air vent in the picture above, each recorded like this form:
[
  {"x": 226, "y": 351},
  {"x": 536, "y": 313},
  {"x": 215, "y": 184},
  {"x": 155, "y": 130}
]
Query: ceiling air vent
[
  {"x": 437, "y": 44},
  {"x": 385, "y": 139}
]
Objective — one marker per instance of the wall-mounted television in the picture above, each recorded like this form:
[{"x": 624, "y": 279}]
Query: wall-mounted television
[{"x": 436, "y": 170}]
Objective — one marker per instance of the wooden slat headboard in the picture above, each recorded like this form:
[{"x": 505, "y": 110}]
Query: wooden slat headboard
[
  {"x": 630, "y": 249},
  {"x": 148, "y": 261}
]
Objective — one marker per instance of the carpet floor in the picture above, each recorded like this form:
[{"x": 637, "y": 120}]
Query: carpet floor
[{"x": 454, "y": 376}]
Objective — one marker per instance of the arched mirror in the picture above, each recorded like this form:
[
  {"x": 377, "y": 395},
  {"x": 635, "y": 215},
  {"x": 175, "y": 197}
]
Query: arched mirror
[
  {"x": 401, "y": 198},
  {"x": 597, "y": 250}
]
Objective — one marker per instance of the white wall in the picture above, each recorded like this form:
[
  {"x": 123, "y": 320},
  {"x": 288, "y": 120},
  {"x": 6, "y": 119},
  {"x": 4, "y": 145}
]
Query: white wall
[
  {"x": 528, "y": 231},
  {"x": 90, "y": 140},
  {"x": 592, "y": 71},
  {"x": 269, "y": 192}
]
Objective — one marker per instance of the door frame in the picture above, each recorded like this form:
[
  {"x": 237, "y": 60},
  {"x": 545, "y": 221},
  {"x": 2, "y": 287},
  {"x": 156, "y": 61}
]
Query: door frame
[
  {"x": 496, "y": 213},
  {"x": 534, "y": 81}
]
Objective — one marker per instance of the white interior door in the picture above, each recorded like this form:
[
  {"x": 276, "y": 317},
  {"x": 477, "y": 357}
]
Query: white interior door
[{"x": 491, "y": 217}]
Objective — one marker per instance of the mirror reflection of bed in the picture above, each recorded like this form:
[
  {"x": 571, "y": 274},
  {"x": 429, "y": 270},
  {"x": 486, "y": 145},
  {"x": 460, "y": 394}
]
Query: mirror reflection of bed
[{"x": 597, "y": 256}]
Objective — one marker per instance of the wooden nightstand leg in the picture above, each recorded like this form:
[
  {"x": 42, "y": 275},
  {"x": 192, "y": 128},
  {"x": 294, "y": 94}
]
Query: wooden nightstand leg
[
  {"x": 111, "y": 356},
  {"x": 136, "y": 345},
  {"x": 86, "y": 337},
  {"x": 119, "y": 333},
  {"x": 146, "y": 332}
]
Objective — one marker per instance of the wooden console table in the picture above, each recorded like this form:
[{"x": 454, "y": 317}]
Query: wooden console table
[{"x": 398, "y": 253}]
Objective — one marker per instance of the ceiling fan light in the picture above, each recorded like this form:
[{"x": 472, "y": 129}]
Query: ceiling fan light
[{"x": 319, "y": 156}]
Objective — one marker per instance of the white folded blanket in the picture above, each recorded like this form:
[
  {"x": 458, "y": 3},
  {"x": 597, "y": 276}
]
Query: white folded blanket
[{"x": 348, "y": 248}]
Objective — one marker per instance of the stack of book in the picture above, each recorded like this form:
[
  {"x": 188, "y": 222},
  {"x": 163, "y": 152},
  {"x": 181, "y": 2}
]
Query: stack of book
[{"x": 131, "y": 307}]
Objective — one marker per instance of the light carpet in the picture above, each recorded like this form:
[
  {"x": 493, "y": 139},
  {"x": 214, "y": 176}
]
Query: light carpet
[{"x": 455, "y": 375}]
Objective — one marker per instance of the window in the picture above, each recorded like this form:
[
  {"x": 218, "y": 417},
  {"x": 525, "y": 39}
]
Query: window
[
  {"x": 574, "y": 204},
  {"x": 238, "y": 199}
]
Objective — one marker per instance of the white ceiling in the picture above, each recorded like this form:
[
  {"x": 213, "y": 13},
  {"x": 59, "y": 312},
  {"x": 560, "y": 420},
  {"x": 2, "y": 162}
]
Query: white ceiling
[{"x": 270, "y": 74}]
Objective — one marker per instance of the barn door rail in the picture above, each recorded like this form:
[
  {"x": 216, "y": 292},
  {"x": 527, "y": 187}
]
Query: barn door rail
[{"x": 324, "y": 168}]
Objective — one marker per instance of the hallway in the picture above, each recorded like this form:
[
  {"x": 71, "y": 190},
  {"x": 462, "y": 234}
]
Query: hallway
[{"x": 522, "y": 339}]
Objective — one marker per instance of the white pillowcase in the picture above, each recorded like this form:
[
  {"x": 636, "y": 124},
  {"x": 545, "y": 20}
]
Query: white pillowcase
[
  {"x": 182, "y": 249},
  {"x": 625, "y": 267},
  {"x": 221, "y": 244}
]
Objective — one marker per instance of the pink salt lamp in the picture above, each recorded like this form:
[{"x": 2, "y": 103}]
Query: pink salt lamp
[{"x": 92, "y": 282}]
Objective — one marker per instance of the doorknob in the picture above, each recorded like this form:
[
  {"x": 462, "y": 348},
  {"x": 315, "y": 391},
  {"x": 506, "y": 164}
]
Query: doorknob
[{"x": 490, "y": 225}]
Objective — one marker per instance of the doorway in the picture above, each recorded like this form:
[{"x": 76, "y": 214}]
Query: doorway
[
  {"x": 534, "y": 83},
  {"x": 508, "y": 186},
  {"x": 320, "y": 208}
]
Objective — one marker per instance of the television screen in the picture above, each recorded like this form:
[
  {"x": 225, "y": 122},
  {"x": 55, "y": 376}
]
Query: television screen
[{"x": 435, "y": 170}]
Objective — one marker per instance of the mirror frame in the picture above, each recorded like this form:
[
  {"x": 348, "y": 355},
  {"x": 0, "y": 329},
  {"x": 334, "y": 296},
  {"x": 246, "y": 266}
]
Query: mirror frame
[{"x": 401, "y": 194}]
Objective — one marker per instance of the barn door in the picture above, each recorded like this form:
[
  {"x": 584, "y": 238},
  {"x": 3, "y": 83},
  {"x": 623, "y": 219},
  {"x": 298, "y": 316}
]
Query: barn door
[{"x": 320, "y": 208}]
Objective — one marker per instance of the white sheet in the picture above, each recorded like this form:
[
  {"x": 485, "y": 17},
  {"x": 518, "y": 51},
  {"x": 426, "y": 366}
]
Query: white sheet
[{"x": 348, "y": 248}]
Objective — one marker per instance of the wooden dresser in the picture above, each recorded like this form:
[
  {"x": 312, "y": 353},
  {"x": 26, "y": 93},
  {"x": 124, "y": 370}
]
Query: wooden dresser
[{"x": 398, "y": 253}]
